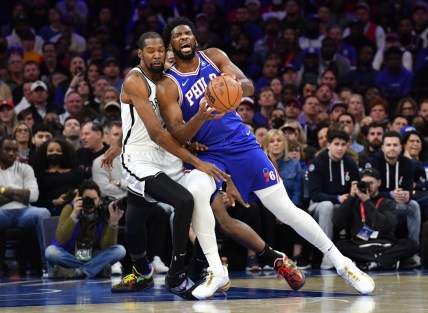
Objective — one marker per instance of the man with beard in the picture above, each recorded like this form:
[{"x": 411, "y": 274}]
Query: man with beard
[
  {"x": 202, "y": 221},
  {"x": 18, "y": 188},
  {"x": 374, "y": 143},
  {"x": 372, "y": 219},
  {"x": 396, "y": 174},
  {"x": 111, "y": 70},
  {"x": 153, "y": 170},
  {"x": 71, "y": 132},
  {"x": 231, "y": 147}
]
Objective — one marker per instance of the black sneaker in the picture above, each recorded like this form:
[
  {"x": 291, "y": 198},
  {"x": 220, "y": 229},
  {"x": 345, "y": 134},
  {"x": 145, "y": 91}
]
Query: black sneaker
[
  {"x": 184, "y": 286},
  {"x": 135, "y": 282}
]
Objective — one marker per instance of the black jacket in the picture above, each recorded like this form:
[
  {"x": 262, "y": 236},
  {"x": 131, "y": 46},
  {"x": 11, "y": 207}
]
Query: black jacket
[
  {"x": 382, "y": 219},
  {"x": 329, "y": 179},
  {"x": 390, "y": 179}
]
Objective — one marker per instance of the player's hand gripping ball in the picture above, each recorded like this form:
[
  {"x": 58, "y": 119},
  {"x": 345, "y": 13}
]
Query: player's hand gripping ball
[{"x": 223, "y": 93}]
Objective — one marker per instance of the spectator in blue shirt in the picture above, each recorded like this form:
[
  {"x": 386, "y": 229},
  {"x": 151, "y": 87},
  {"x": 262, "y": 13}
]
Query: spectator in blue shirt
[{"x": 394, "y": 81}]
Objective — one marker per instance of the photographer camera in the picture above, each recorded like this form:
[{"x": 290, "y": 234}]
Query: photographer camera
[
  {"x": 371, "y": 219},
  {"x": 85, "y": 243}
]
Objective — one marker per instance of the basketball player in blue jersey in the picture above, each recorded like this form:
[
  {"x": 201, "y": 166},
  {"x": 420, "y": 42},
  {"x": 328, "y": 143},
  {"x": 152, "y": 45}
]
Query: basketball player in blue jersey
[
  {"x": 231, "y": 146},
  {"x": 136, "y": 132},
  {"x": 151, "y": 162}
]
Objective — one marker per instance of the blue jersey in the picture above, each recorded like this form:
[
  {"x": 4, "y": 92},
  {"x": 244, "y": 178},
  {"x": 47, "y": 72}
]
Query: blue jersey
[{"x": 231, "y": 145}]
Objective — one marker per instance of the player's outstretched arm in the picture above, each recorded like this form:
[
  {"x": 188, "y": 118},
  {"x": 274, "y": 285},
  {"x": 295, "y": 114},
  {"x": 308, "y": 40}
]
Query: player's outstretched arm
[{"x": 226, "y": 66}]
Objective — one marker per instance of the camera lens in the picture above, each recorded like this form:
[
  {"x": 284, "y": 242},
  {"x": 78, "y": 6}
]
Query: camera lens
[
  {"x": 88, "y": 203},
  {"x": 362, "y": 186}
]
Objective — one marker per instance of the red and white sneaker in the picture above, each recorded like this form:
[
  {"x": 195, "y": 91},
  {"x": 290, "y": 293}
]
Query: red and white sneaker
[{"x": 286, "y": 269}]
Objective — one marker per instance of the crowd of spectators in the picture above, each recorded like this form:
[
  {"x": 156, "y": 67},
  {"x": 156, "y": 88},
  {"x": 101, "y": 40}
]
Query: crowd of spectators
[{"x": 324, "y": 72}]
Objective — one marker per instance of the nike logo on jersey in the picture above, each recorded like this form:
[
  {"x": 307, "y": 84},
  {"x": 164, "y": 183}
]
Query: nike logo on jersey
[
  {"x": 248, "y": 132},
  {"x": 184, "y": 83}
]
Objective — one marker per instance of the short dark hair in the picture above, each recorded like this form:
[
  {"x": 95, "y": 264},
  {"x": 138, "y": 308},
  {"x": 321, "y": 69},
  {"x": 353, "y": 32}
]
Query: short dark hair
[
  {"x": 89, "y": 184},
  {"x": 43, "y": 128},
  {"x": 148, "y": 35},
  {"x": 376, "y": 125},
  {"x": 346, "y": 113},
  {"x": 391, "y": 134},
  {"x": 173, "y": 24},
  {"x": 334, "y": 133},
  {"x": 4, "y": 138}
]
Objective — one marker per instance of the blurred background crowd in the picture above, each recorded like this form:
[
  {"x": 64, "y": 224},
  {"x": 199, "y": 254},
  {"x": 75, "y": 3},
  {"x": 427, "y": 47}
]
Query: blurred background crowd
[{"x": 358, "y": 67}]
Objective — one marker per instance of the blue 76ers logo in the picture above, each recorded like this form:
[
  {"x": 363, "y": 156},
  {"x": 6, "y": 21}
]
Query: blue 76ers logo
[{"x": 268, "y": 175}]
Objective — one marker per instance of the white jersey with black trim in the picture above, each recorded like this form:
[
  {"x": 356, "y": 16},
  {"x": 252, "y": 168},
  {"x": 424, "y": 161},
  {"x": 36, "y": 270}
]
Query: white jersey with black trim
[{"x": 135, "y": 134}]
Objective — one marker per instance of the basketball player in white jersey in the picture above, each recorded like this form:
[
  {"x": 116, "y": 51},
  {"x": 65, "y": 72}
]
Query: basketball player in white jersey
[
  {"x": 231, "y": 227},
  {"x": 152, "y": 163}
]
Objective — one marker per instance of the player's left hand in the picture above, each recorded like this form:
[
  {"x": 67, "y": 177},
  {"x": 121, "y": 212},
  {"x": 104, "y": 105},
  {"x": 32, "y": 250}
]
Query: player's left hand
[
  {"x": 233, "y": 194},
  {"x": 207, "y": 113}
]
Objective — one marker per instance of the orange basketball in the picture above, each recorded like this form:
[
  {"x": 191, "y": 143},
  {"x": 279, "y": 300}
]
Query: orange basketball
[{"x": 223, "y": 93}]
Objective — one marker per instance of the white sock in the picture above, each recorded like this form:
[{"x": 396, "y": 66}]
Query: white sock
[
  {"x": 276, "y": 200},
  {"x": 202, "y": 186}
]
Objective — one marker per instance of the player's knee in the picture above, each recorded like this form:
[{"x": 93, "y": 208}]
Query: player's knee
[{"x": 184, "y": 203}]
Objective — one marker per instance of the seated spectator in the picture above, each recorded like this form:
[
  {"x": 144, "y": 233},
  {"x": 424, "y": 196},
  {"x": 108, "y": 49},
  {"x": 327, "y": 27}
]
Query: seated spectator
[
  {"x": 330, "y": 177},
  {"x": 22, "y": 135},
  {"x": 407, "y": 107},
  {"x": 71, "y": 132},
  {"x": 393, "y": 40},
  {"x": 378, "y": 110},
  {"x": 336, "y": 109},
  {"x": 275, "y": 146},
  {"x": 300, "y": 136},
  {"x": 288, "y": 91},
  {"x": 260, "y": 134},
  {"x": 394, "y": 80},
  {"x": 26, "y": 99},
  {"x": 348, "y": 120},
  {"x": 293, "y": 108},
  {"x": 357, "y": 108},
  {"x": 396, "y": 174},
  {"x": 310, "y": 109},
  {"x": 26, "y": 116},
  {"x": 56, "y": 173},
  {"x": 112, "y": 182},
  {"x": 41, "y": 134},
  {"x": 372, "y": 220},
  {"x": 397, "y": 123},
  {"x": 266, "y": 101},
  {"x": 246, "y": 110},
  {"x": 373, "y": 144},
  {"x": 413, "y": 145},
  {"x": 18, "y": 189},
  {"x": 85, "y": 239},
  {"x": 73, "y": 104},
  {"x": 276, "y": 85},
  {"x": 364, "y": 76},
  {"x": 93, "y": 146},
  {"x": 7, "y": 117}
]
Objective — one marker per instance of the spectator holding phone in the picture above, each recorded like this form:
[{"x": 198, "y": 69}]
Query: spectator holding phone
[{"x": 85, "y": 243}]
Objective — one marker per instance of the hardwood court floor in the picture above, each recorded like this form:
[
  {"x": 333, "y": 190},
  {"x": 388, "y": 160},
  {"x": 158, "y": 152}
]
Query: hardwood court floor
[{"x": 402, "y": 291}]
